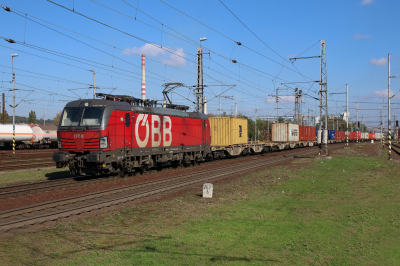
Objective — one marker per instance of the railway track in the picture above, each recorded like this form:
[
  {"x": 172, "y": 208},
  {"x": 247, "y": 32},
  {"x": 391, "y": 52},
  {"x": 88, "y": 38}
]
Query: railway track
[
  {"x": 19, "y": 153},
  {"x": 54, "y": 210},
  {"x": 397, "y": 149},
  {"x": 25, "y": 160},
  {"x": 49, "y": 185}
]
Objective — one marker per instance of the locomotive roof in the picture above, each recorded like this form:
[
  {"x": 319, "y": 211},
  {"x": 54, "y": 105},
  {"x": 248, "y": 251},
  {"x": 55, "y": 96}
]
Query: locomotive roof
[{"x": 124, "y": 106}]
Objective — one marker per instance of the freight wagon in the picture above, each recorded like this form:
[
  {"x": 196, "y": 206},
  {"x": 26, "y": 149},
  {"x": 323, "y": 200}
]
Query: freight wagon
[
  {"x": 27, "y": 136},
  {"x": 118, "y": 134}
]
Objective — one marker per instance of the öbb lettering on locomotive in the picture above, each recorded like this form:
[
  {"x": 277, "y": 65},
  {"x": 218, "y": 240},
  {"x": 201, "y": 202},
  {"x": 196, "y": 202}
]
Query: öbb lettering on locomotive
[{"x": 159, "y": 129}]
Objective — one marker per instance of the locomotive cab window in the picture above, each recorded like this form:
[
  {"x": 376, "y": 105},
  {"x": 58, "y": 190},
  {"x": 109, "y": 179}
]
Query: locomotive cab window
[
  {"x": 71, "y": 117},
  {"x": 82, "y": 116},
  {"x": 92, "y": 116},
  {"x": 127, "y": 120}
]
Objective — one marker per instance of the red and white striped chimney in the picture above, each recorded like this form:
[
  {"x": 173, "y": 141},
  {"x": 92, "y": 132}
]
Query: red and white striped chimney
[{"x": 143, "y": 79}]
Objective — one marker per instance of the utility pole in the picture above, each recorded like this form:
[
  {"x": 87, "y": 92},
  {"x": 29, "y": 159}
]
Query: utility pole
[
  {"x": 351, "y": 124},
  {"x": 383, "y": 122},
  {"x": 94, "y": 84},
  {"x": 296, "y": 106},
  {"x": 323, "y": 102},
  {"x": 199, "y": 84},
  {"x": 300, "y": 105},
  {"x": 235, "y": 109},
  {"x": 362, "y": 127},
  {"x": 255, "y": 126},
  {"x": 219, "y": 107},
  {"x": 382, "y": 130},
  {"x": 347, "y": 115},
  {"x": 358, "y": 129},
  {"x": 389, "y": 124},
  {"x": 205, "y": 105},
  {"x": 13, "y": 74},
  {"x": 268, "y": 127},
  {"x": 44, "y": 117},
  {"x": 277, "y": 108},
  {"x": 4, "y": 109}
]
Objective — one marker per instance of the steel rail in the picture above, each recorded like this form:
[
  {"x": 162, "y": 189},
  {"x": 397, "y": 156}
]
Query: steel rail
[
  {"x": 395, "y": 150},
  {"x": 23, "y": 189},
  {"x": 113, "y": 196}
]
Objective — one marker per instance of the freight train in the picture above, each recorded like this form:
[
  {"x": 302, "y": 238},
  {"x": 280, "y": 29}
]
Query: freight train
[
  {"x": 119, "y": 134},
  {"x": 28, "y": 136}
]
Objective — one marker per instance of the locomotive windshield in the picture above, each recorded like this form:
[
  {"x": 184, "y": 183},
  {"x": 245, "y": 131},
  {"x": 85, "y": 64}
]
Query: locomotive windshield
[{"x": 82, "y": 116}]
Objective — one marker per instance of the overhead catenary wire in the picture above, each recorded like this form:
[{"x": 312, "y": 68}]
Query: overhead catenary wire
[
  {"x": 229, "y": 37},
  {"x": 55, "y": 78},
  {"x": 112, "y": 55},
  {"x": 129, "y": 34},
  {"x": 93, "y": 39},
  {"x": 71, "y": 64},
  {"x": 150, "y": 43},
  {"x": 76, "y": 59}
]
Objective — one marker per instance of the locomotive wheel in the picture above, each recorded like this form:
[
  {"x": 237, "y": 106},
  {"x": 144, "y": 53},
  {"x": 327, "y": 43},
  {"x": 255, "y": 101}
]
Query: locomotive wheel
[
  {"x": 121, "y": 173},
  {"x": 142, "y": 170},
  {"x": 187, "y": 159},
  {"x": 175, "y": 164},
  {"x": 73, "y": 172}
]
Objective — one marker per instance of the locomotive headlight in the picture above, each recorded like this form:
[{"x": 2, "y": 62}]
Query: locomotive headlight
[
  {"x": 103, "y": 142},
  {"x": 59, "y": 143}
]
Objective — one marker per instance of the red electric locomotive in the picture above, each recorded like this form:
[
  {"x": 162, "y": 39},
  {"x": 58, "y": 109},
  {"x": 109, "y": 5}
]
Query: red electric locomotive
[{"x": 119, "y": 134}]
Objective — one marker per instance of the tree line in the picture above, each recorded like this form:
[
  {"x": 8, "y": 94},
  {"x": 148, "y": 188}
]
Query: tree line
[{"x": 31, "y": 119}]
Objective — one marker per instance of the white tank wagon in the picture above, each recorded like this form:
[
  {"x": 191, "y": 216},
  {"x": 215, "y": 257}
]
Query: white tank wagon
[
  {"x": 27, "y": 136},
  {"x": 50, "y": 135},
  {"x": 22, "y": 133},
  {"x": 43, "y": 138},
  {"x": 37, "y": 134}
]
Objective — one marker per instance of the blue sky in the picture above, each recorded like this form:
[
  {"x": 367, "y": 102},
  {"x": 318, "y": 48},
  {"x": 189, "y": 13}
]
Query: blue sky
[{"x": 359, "y": 36}]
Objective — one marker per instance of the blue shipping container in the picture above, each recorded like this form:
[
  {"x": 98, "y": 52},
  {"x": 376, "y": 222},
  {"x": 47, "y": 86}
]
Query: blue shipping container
[{"x": 331, "y": 134}]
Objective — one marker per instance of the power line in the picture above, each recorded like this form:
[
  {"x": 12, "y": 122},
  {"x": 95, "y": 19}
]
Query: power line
[
  {"x": 111, "y": 27},
  {"x": 93, "y": 39},
  {"x": 74, "y": 65},
  {"x": 252, "y": 31},
  {"x": 136, "y": 37},
  {"x": 56, "y": 78},
  {"x": 239, "y": 43}
]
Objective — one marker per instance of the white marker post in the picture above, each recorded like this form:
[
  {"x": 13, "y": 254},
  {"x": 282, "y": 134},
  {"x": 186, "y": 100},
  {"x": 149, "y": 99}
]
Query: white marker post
[{"x": 207, "y": 190}]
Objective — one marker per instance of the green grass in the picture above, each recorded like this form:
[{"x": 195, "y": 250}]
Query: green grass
[
  {"x": 342, "y": 211},
  {"x": 10, "y": 178}
]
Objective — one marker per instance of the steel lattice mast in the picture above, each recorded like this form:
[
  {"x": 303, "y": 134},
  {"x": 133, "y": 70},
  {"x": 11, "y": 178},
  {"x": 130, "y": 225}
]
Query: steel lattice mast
[
  {"x": 199, "y": 83},
  {"x": 323, "y": 102}
]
